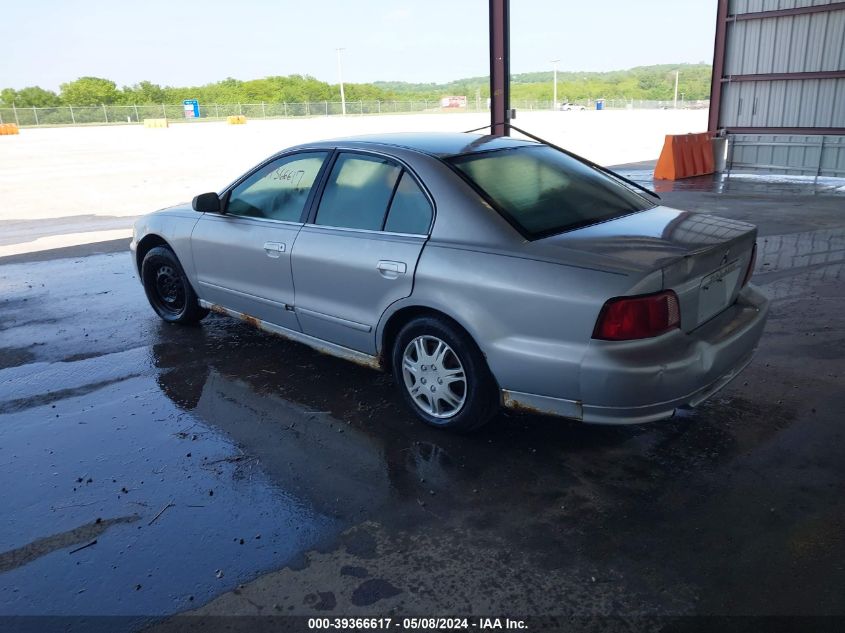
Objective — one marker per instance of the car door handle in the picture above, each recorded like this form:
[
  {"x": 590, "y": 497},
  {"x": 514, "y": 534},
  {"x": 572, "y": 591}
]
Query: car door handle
[
  {"x": 391, "y": 270},
  {"x": 274, "y": 249}
]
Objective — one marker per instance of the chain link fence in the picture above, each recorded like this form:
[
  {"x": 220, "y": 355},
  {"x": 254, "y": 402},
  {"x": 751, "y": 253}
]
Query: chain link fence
[
  {"x": 615, "y": 104},
  {"x": 116, "y": 114}
]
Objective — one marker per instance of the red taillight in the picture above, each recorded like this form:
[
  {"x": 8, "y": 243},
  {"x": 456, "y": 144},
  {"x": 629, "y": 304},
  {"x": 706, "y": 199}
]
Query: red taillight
[
  {"x": 750, "y": 270},
  {"x": 627, "y": 318}
]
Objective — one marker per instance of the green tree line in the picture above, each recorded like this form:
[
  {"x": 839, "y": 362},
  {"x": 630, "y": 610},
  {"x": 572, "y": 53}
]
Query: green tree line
[{"x": 643, "y": 82}]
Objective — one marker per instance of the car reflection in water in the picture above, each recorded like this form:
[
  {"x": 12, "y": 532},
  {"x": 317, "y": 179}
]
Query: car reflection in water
[
  {"x": 556, "y": 496},
  {"x": 340, "y": 467},
  {"x": 349, "y": 451}
]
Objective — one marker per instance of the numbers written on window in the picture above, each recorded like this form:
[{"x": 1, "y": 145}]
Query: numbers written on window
[
  {"x": 361, "y": 188},
  {"x": 279, "y": 190}
]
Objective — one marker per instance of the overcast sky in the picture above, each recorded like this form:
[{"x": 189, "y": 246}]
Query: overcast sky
[{"x": 172, "y": 42}]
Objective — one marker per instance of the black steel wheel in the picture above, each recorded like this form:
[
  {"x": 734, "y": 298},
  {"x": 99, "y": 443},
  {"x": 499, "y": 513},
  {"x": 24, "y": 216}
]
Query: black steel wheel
[{"x": 168, "y": 289}]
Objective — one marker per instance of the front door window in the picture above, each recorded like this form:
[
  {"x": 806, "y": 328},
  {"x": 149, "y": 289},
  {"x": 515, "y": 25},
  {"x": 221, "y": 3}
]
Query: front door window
[{"x": 279, "y": 190}]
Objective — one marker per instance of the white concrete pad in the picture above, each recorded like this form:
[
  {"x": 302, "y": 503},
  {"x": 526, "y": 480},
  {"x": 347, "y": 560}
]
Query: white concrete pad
[{"x": 129, "y": 170}]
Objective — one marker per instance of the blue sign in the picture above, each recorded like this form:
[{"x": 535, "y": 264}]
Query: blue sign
[{"x": 192, "y": 108}]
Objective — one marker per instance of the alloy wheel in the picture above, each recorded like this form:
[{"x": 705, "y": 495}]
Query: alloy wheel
[{"x": 434, "y": 376}]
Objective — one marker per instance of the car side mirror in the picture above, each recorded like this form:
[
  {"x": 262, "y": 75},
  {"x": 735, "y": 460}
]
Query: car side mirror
[{"x": 207, "y": 203}]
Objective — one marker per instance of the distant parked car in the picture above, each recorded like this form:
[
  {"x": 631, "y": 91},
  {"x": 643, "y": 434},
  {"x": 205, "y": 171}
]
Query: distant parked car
[
  {"x": 566, "y": 107},
  {"x": 480, "y": 271}
]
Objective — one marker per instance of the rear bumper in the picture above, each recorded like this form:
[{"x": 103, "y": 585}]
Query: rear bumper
[
  {"x": 662, "y": 410},
  {"x": 642, "y": 381}
]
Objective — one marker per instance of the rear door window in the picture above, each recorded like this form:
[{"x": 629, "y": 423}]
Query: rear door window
[
  {"x": 358, "y": 192},
  {"x": 410, "y": 211}
]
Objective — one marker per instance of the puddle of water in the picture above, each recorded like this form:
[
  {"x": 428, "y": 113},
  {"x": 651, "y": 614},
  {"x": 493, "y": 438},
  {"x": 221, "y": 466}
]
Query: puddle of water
[
  {"x": 770, "y": 184},
  {"x": 125, "y": 451},
  {"x": 296, "y": 446},
  {"x": 794, "y": 264}
]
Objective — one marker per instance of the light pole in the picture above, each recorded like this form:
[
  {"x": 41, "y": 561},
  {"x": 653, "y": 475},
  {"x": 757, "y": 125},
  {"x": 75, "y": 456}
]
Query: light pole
[
  {"x": 554, "y": 83},
  {"x": 340, "y": 78},
  {"x": 676, "y": 89}
]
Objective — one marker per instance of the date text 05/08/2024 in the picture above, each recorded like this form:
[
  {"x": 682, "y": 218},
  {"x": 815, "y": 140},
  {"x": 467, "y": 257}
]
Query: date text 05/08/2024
[{"x": 412, "y": 624}]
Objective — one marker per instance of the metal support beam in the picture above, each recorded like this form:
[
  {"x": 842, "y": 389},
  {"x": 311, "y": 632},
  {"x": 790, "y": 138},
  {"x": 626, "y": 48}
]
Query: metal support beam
[
  {"x": 499, "y": 67},
  {"x": 718, "y": 66},
  {"x": 779, "y": 13},
  {"x": 831, "y": 131},
  {"x": 815, "y": 74}
]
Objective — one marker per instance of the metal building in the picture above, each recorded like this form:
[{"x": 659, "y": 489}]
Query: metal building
[{"x": 778, "y": 89}]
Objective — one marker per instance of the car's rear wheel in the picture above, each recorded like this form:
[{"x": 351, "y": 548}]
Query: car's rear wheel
[
  {"x": 443, "y": 376},
  {"x": 167, "y": 288}
]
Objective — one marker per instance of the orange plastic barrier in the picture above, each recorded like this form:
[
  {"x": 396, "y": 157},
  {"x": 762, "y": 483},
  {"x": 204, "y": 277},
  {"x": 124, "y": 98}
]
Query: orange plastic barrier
[
  {"x": 684, "y": 156},
  {"x": 8, "y": 128}
]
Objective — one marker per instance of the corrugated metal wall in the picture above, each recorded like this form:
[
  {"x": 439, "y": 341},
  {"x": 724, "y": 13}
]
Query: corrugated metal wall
[
  {"x": 788, "y": 44},
  {"x": 784, "y": 103},
  {"x": 762, "y": 88},
  {"x": 800, "y": 155}
]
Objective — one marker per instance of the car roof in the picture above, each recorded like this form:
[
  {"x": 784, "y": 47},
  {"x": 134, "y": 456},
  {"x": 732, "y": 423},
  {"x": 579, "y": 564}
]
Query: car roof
[{"x": 440, "y": 144}]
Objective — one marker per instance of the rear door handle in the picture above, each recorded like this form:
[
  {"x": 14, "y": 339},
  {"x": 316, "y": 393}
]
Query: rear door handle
[
  {"x": 274, "y": 249},
  {"x": 391, "y": 270}
]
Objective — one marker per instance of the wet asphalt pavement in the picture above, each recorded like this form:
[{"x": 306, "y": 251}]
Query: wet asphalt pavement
[{"x": 149, "y": 469}]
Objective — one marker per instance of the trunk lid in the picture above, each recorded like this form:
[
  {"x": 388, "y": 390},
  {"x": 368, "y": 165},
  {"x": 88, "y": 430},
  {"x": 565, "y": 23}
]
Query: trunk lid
[{"x": 703, "y": 258}]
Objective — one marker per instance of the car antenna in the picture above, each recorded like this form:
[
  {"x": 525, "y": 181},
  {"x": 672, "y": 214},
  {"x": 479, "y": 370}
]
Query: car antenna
[{"x": 586, "y": 161}]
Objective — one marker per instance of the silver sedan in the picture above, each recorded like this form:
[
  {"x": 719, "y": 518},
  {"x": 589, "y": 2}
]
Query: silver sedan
[{"x": 480, "y": 271}]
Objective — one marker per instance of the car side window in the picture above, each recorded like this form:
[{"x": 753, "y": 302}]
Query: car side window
[
  {"x": 410, "y": 211},
  {"x": 278, "y": 190},
  {"x": 358, "y": 192}
]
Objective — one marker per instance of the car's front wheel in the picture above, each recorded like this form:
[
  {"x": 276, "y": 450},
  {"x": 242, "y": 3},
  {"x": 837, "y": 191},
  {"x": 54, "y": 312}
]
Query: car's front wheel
[
  {"x": 443, "y": 375},
  {"x": 167, "y": 288}
]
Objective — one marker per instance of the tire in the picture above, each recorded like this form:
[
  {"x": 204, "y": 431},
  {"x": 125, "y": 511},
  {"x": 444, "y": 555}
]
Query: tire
[
  {"x": 460, "y": 394},
  {"x": 167, "y": 288}
]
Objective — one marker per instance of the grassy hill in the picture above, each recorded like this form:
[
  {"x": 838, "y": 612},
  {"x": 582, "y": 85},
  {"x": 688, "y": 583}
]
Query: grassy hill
[{"x": 642, "y": 82}]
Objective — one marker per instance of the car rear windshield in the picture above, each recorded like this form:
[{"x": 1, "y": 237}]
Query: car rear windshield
[{"x": 543, "y": 191}]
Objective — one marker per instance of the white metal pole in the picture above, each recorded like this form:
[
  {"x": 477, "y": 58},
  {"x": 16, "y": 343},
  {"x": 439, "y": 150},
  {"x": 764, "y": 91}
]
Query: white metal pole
[
  {"x": 554, "y": 91},
  {"x": 340, "y": 79},
  {"x": 676, "y": 89}
]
